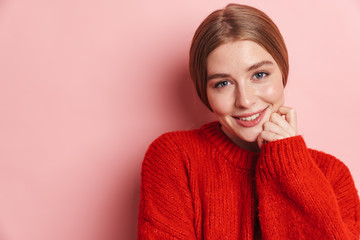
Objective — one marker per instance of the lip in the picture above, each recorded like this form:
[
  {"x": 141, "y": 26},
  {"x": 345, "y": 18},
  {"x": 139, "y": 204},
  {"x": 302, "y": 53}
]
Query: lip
[{"x": 250, "y": 123}]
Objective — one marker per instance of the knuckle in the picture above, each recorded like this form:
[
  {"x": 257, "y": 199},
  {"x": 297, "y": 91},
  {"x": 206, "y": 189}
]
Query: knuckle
[
  {"x": 267, "y": 125},
  {"x": 265, "y": 135},
  {"x": 262, "y": 134},
  {"x": 273, "y": 116}
]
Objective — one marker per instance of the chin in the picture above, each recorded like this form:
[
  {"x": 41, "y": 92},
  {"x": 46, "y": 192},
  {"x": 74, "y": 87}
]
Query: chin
[
  {"x": 249, "y": 138},
  {"x": 247, "y": 135}
]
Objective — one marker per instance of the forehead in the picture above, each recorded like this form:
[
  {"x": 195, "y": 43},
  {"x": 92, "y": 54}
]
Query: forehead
[{"x": 240, "y": 54}]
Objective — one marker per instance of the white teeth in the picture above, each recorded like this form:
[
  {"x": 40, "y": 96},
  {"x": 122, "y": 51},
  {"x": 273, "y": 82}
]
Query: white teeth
[{"x": 253, "y": 117}]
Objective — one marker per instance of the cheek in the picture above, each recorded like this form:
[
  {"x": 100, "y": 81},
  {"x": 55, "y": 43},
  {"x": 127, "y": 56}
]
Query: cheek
[
  {"x": 274, "y": 94},
  {"x": 221, "y": 104}
]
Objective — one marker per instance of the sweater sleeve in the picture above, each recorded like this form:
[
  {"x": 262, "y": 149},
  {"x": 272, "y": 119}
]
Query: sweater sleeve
[
  {"x": 300, "y": 200},
  {"x": 166, "y": 209}
]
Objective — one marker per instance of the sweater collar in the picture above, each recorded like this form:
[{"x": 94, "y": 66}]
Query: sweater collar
[{"x": 240, "y": 158}]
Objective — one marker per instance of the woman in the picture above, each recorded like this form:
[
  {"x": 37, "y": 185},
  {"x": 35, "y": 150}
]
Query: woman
[{"x": 249, "y": 175}]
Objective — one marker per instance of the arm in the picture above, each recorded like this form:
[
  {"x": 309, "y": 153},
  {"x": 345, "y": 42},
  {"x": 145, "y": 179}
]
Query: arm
[
  {"x": 296, "y": 199},
  {"x": 166, "y": 210}
]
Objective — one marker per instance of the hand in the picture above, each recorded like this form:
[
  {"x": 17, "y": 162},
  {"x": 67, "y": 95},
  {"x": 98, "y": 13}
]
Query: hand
[{"x": 278, "y": 127}]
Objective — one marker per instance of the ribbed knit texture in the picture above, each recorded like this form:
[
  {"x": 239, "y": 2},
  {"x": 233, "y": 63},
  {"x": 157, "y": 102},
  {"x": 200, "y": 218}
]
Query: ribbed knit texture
[{"x": 199, "y": 185}]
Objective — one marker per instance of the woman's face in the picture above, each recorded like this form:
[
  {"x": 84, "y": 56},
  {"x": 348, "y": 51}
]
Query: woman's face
[{"x": 244, "y": 87}]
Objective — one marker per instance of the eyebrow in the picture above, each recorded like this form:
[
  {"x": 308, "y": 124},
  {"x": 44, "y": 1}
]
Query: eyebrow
[
  {"x": 251, "y": 68},
  {"x": 259, "y": 64},
  {"x": 218, "y": 75}
]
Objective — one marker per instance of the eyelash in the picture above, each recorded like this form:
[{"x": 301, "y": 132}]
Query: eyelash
[
  {"x": 221, "y": 84},
  {"x": 256, "y": 75}
]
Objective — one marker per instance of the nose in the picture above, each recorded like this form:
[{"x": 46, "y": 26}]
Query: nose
[{"x": 245, "y": 96}]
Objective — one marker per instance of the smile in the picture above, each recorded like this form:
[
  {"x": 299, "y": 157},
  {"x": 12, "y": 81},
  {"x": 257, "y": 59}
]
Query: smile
[{"x": 251, "y": 119}]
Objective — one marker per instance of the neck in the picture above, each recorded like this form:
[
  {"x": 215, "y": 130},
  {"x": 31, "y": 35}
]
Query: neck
[{"x": 250, "y": 146}]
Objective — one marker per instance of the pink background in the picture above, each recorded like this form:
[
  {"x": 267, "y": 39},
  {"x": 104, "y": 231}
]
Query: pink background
[{"x": 85, "y": 86}]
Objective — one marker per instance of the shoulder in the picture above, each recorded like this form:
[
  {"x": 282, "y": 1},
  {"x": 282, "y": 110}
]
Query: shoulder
[
  {"x": 167, "y": 157},
  {"x": 333, "y": 168},
  {"x": 185, "y": 140},
  {"x": 175, "y": 147},
  {"x": 339, "y": 177},
  {"x": 325, "y": 160}
]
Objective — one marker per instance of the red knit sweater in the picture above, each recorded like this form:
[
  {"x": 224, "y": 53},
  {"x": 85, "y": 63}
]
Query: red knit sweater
[{"x": 199, "y": 185}]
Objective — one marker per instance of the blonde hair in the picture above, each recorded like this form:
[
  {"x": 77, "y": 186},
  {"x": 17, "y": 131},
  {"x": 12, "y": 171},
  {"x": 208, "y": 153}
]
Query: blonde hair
[{"x": 234, "y": 22}]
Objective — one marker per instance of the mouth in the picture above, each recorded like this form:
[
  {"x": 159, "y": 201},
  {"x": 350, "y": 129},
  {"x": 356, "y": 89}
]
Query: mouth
[{"x": 251, "y": 119}]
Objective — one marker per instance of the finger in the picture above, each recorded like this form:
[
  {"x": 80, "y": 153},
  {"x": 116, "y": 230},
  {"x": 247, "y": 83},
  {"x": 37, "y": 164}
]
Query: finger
[
  {"x": 290, "y": 115},
  {"x": 275, "y": 128},
  {"x": 283, "y": 124},
  {"x": 260, "y": 141},
  {"x": 270, "y": 136}
]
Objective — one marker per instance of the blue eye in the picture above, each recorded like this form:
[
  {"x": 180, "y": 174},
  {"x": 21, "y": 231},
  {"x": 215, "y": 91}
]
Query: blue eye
[
  {"x": 222, "y": 84},
  {"x": 260, "y": 75}
]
